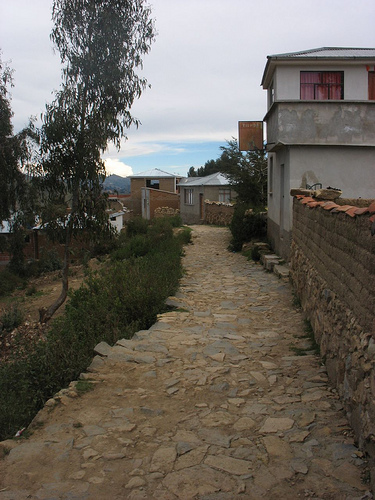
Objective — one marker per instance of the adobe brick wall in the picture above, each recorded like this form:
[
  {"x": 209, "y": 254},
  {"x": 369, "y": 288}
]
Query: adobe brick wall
[
  {"x": 218, "y": 213},
  {"x": 333, "y": 273},
  {"x": 159, "y": 199}
]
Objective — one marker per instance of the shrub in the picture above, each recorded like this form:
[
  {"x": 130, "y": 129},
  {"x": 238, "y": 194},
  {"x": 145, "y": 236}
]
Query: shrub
[
  {"x": 137, "y": 246},
  {"x": 120, "y": 299},
  {"x": 138, "y": 225},
  {"x": 11, "y": 318},
  {"x": 246, "y": 226},
  {"x": 9, "y": 282}
]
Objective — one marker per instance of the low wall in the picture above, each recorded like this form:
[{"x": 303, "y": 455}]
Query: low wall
[
  {"x": 218, "y": 213},
  {"x": 333, "y": 272}
]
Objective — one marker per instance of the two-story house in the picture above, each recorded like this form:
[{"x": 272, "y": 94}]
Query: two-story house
[{"x": 320, "y": 128}]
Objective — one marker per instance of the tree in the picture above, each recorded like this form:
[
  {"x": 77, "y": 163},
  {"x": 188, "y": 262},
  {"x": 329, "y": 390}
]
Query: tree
[
  {"x": 210, "y": 167},
  {"x": 11, "y": 178},
  {"x": 247, "y": 172},
  {"x": 17, "y": 198},
  {"x": 101, "y": 44}
]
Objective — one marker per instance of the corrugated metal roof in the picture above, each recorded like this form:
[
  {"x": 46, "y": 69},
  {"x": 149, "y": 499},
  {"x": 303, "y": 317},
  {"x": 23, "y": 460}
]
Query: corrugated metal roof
[
  {"x": 216, "y": 179},
  {"x": 331, "y": 52},
  {"x": 155, "y": 172},
  {"x": 318, "y": 54}
]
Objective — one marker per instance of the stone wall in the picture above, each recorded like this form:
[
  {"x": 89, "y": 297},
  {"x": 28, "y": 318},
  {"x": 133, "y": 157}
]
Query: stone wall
[
  {"x": 218, "y": 213},
  {"x": 333, "y": 273}
]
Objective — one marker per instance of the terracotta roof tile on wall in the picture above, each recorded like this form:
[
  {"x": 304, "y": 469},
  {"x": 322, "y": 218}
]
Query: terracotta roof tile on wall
[{"x": 350, "y": 210}]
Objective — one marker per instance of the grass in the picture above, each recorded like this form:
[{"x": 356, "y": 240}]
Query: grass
[{"x": 84, "y": 386}]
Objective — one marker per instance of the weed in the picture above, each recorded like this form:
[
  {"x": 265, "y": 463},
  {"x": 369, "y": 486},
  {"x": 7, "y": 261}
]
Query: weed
[
  {"x": 31, "y": 290},
  {"x": 84, "y": 386},
  {"x": 12, "y": 318}
]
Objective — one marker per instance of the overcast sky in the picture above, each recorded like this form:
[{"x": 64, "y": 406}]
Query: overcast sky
[{"x": 204, "y": 68}]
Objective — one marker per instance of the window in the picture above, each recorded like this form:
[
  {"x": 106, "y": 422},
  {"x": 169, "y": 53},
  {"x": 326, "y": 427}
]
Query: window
[
  {"x": 224, "y": 195},
  {"x": 371, "y": 85},
  {"x": 188, "y": 196},
  {"x": 271, "y": 95},
  {"x": 322, "y": 85},
  {"x": 270, "y": 176},
  {"x": 153, "y": 183}
]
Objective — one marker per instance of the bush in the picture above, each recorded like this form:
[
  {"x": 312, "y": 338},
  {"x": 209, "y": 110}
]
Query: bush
[
  {"x": 137, "y": 246},
  {"x": 246, "y": 226},
  {"x": 9, "y": 282},
  {"x": 11, "y": 318},
  {"x": 135, "y": 226},
  {"x": 122, "y": 298}
]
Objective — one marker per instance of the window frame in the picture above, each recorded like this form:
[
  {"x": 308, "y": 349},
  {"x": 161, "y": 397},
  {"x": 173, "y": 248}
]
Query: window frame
[
  {"x": 153, "y": 183},
  {"x": 327, "y": 85},
  {"x": 225, "y": 195},
  {"x": 188, "y": 196}
]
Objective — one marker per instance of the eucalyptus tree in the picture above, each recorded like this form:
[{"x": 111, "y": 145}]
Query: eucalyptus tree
[
  {"x": 17, "y": 198},
  {"x": 101, "y": 45}
]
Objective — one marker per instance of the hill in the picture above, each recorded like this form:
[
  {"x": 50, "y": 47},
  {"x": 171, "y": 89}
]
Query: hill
[{"x": 117, "y": 183}]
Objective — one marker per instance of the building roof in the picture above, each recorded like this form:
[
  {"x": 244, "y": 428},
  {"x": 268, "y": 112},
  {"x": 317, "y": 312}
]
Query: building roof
[
  {"x": 154, "y": 173},
  {"x": 216, "y": 179},
  {"x": 319, "y": 54}
]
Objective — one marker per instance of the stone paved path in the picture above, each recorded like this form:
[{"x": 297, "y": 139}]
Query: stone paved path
[{"x": 211, "y": 403}]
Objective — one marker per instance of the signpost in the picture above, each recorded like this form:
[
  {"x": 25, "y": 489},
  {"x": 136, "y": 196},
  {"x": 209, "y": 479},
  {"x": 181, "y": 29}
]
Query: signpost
[{"x": 250, "y": 136}]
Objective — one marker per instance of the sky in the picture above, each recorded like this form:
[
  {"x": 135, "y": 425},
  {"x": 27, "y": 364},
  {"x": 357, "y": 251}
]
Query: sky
[{"x": 204, "y": 68}]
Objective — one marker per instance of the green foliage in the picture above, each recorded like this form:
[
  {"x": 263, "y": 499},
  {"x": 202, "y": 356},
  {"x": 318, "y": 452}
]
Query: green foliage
[
  {"x": 246, "y": 171},
  {"x": 138, "y": 225},
  {"x": 245, "y": 226},
  {"x": 101, "y": 45},
  {"x": 84, "y": 386},
  {"x": 137, "y": 246},
  {"x": 120, "y": 299},
  {"x": 11, "y": 318},
  {"x": 210, "y": 167},
  {"x": 184, "y": 235},
  {"x": 9, "y": 282}
]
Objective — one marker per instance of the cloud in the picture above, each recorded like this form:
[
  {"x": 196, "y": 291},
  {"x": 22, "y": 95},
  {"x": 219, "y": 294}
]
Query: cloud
[{"x": 116, "y": 166}]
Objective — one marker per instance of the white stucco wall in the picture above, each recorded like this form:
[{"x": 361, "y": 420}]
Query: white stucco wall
[{"x": 287, "y": 80}]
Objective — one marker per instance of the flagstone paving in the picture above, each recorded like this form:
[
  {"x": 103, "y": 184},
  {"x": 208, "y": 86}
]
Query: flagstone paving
[{"x": 211, "y": 403}]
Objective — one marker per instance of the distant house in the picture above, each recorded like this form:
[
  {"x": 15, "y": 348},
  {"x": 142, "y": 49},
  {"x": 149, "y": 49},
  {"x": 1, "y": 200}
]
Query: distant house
[
  {"x": 320, "y": 128},
  {"x": 118, "y": 219},
  {"x": 194, "y": 192},
  {"x": 153, "y": 189}
]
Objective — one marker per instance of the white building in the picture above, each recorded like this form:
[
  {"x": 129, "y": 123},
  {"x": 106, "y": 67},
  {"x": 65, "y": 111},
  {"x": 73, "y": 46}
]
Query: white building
[{"x": 320, "y": 128}]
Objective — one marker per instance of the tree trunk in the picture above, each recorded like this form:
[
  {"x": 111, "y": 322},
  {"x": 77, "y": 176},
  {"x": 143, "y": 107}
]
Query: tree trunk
[{"x": 46, "y": 313}]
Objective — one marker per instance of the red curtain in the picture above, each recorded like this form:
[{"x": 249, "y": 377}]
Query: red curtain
[{"x": 321, "y": 85}]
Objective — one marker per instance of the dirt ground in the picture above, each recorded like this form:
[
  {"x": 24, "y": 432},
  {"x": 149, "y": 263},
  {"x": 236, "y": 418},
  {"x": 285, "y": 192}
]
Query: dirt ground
[{"x": 39, "y": 292}]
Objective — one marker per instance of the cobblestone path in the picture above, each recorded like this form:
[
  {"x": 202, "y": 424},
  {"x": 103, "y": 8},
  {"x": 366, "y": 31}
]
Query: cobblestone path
[{"x": 211, "y": 403}]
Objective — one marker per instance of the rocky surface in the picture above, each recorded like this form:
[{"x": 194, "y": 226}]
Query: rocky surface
[{"x": 211, "y": 403}]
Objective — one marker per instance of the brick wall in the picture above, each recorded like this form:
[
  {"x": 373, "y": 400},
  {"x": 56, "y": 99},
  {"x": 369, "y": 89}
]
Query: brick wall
[
  {"x": 159, "y": 199},
  {"x": 333, "y": 273},
  {"x": 218, "y": 213}
]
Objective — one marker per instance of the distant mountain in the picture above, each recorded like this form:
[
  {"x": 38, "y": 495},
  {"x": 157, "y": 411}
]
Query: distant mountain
[{"x": 117, "y": 183}]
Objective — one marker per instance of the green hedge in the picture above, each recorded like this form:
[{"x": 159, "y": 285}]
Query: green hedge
[{"x": 123, "y": 298}]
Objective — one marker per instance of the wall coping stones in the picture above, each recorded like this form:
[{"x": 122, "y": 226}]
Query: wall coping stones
[{"x": 332, "y": 207}]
